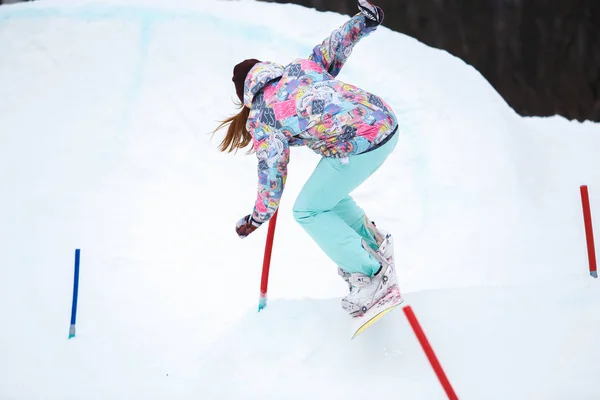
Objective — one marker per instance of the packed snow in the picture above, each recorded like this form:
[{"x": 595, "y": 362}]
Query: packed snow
[{"x": 106, "y": 116}]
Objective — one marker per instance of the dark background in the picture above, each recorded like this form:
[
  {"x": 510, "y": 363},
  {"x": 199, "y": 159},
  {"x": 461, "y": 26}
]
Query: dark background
[
  {"x": 12, "y": 1},
  {"x": 542, "y": 56}
]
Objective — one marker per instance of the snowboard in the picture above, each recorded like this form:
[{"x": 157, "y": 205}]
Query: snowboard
[{"x": 387, "y": 304}]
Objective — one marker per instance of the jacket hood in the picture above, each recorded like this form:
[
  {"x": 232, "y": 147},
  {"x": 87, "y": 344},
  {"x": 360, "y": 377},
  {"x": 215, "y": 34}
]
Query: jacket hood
[{"x": 258, "y": 77}]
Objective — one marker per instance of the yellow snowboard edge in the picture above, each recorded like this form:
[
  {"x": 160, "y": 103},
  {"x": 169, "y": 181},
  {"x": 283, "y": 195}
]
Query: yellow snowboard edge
[{"x": 374, "y": 319}]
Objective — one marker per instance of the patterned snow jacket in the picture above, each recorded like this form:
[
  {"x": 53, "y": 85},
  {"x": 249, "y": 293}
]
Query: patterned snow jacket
[{"x": 302, "y": 104}]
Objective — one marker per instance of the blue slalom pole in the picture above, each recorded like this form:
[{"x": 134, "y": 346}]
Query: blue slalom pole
[{"x": 75, "y": 290}]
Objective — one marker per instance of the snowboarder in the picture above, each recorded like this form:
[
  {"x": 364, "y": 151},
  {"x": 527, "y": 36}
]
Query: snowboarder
[{"x": 303, "y": 104}]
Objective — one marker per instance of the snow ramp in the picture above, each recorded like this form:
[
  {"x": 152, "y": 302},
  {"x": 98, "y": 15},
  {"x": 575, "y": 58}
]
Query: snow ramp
[
  {"x": 106, "y": 110},
  {"x": 528, "y": 342}
]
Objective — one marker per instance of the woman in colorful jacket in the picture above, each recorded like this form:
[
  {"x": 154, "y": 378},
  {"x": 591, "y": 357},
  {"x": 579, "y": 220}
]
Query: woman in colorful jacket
[{"x": 303, "y": 104}]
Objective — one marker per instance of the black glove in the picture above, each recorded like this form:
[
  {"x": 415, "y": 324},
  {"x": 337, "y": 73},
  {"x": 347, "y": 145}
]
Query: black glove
[
  {"x": 246, "y": 226},
  {"x": 373, "y": 14}
]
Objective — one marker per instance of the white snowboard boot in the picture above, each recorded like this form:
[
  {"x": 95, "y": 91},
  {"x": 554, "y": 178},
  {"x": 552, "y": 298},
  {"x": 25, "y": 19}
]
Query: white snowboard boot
[
  {"x": 346, "y": 276},
  {"x": 366, "y": 291}
]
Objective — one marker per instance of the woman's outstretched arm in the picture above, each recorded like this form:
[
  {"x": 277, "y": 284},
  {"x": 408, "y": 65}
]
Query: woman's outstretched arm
[{"x": 333, "y": 52}]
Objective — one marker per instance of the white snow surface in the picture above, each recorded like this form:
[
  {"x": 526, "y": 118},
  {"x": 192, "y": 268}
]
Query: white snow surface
[{"x": 106, "y": 114}]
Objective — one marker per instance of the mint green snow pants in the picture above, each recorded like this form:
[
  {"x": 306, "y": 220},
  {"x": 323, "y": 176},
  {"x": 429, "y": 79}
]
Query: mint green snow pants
[{"x": 331, "y": 217}]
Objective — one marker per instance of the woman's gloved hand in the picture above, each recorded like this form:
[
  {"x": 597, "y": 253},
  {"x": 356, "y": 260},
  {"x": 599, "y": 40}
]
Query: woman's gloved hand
[
  {"x": 246, "y": 226},
  {"x": 373, "y": 14}
]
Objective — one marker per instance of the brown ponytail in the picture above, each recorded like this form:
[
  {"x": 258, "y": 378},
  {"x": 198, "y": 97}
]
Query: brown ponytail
[{"x": 237, "y": 136}]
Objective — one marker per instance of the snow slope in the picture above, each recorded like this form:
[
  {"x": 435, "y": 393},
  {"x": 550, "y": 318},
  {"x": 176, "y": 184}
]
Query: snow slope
[{"x": 106, "y": 112}]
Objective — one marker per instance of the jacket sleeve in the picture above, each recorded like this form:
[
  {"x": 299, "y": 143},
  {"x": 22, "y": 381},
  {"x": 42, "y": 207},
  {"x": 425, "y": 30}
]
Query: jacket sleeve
[
  {"x": 335, "y": 50},
  {"x": 273, "y": 155}
]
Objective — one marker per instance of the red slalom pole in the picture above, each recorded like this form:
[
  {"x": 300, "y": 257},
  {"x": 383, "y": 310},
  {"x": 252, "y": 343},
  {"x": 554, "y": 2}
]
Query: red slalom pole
[
  {"x": 414, "y": 323},
  {"x": 264, "y": 281},
  {"x": 589, "y": 232}
]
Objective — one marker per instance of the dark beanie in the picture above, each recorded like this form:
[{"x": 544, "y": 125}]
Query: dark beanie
[{"x": 240, "y": 72}]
